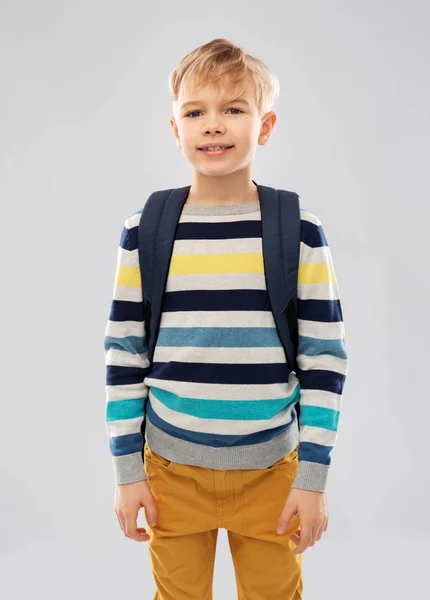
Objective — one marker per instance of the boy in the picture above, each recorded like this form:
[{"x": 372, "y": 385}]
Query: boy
[{"x": 222, "y": 446}]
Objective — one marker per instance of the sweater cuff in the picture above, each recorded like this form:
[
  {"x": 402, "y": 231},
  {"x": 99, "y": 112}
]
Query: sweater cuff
[
  {"x": 128, "y": 468},
  {"x": 311, "y": 476}
]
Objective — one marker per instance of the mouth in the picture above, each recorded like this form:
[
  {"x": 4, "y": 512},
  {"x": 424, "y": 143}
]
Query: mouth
[{"x": 215, "y": 150}]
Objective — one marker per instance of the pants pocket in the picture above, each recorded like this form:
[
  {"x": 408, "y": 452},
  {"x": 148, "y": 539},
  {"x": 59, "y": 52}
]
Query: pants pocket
[
  {"x": 157, "y": 461},
  {"x": 285, "y": 461}
]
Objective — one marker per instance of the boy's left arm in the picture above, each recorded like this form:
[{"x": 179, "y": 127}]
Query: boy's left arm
[{"x": 322, "y": 360}]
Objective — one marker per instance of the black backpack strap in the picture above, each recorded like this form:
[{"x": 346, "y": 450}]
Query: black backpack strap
[
  {"x": 156, "y": 237},
  {"x": 280, "y": 216},
  {"x": 290, "y": 226},
  {"x": 147, "y": 244},
  {"x": 149, "y": 227}
]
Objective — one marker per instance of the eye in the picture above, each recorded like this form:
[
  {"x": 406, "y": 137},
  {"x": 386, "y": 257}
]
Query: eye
[{"x": 197, "y": 111}]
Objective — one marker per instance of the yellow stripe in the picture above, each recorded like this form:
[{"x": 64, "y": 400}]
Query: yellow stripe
[
  {"x": 315, "y": 273},
  {"x": 187, "y": 264},
  {"x": 129, "y": 276}
]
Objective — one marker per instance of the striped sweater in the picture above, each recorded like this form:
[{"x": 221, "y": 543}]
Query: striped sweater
[{"x": 218, "y": 394}]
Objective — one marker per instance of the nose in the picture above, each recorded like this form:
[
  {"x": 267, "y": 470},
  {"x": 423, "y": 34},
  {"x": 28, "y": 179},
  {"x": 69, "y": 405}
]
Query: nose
[{"x": 217, "y": 129}]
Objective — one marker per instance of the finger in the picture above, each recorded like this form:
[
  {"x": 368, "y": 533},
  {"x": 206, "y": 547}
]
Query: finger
[
  {"x": 121, "y": 521},
  {"x": 295, "y": 538},
  {"x": 135, "y": 533},
  {"x": 321, "y": 530},
  {"x": 305, "y": 538},
  {"x": 315, "y": 531},
  {"x": 143, "y": 534}
]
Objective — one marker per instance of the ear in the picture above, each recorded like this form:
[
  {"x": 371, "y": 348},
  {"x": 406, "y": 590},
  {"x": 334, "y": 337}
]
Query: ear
[
  {"x": 268, "y": 123},
  {"x": 175, "y": 131}
]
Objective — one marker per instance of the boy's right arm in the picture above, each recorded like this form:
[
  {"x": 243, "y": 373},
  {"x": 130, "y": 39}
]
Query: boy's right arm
[{"x": 127, "y": 364}]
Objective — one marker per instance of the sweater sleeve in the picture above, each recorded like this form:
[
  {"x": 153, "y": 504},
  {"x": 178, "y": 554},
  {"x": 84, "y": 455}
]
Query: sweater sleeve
[
  {"x": 321, "y": 355},
  {"x": 126, "y": 358}
]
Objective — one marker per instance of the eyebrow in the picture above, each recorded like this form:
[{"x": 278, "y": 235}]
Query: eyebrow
[{"x": 190, "y": 102}]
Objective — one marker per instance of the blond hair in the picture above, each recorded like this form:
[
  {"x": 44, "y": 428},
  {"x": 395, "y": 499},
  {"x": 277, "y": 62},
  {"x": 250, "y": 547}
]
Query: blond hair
[{"x": 223, "y": 64}]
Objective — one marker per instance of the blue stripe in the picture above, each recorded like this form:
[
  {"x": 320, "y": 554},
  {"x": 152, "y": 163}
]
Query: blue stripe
[
  {"x": 315, "y": 453},
  {"x": 219, "y": 337},
  {"x": 125, "y": 310},
  {"x": 129, "y": 238},
  {"x": 212, "y": 439},
  {"x": 124, "y": 409},
  {"x": 119, "y": 375},
  {"x": 311, "y": 346},
  {"x": 245, "y": 410},
  {"x": 126, "y": 444},
  {"x": 132, "y": 343},
  {"x": 320, "y": 379},
  {"x": 327, "y": 311},
  {"x": 312, "y": 235},
  {"x": 219, "y": 231},
  {"x": 222, "y": 374},
  {"x": 228, "y": 300},
  {"x": 319, "y": 416}
]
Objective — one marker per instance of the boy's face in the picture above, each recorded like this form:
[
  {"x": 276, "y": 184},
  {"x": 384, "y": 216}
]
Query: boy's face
[{"x": 202, "y": 116}]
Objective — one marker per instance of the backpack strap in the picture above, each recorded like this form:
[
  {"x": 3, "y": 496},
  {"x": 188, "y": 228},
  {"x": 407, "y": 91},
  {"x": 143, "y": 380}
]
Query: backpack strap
[
  {"x": 290, "y": 235},
  {"x": 280, "y": 216},
  {"x": 156, "y": 236}
]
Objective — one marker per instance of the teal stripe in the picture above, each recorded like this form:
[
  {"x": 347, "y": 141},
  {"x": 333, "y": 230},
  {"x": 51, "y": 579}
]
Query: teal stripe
[
  {"x": 124, "y": 409},
  {"x": 132, "y": 343},
  {"x": 311, "y": 346},
  {"x": 243, "y": 410},
  {"x": 219, "y": 337},
  {"x": 318, "y": 416}
]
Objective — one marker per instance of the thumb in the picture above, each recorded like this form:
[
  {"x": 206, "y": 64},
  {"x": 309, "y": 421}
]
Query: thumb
[
  {"x": 285, "y": 518},
  {"x": 151, "y": 513}
]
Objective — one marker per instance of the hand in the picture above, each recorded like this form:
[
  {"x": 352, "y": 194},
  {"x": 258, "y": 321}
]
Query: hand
[
  {"x": 311, "y": 507},
  {"x": 129, "y": 498}
]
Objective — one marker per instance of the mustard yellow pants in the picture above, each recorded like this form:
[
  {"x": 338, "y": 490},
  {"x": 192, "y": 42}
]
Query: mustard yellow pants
[{"x": 194, "y": 502}]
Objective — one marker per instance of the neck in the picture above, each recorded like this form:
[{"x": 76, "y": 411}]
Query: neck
[{"x": 235, "y": 188}]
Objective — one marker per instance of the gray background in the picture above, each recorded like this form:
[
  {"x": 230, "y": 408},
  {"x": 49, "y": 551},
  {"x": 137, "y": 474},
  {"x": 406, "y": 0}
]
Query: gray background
[{"x": 85, "y": 138}]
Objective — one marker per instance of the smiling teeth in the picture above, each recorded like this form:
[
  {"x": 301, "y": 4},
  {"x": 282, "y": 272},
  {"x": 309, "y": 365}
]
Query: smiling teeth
[{"x": 215, "y": 148}]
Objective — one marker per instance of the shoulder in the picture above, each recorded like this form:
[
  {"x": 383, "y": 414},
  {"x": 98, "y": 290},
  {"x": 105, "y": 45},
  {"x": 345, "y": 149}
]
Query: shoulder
[
  {"x": 129, "y": 233},
  {"x": 306, "y": 215},
  {"x": 312, "y": 232},
  {"x": 133, "y": 219}
]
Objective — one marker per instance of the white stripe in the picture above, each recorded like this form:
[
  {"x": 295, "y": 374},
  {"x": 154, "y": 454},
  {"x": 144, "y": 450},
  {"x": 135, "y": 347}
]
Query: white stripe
[
  {"x": 305, "y": 215},
  {"x": 122, "y": 358},
  {"x": 130, "y": 293},
  {"x": 128, "y": 258},
  {"x": 321, "y": 398},
  {"x": 317, "y": 291},
  {"x": 217, "y": 426},
  {"x": 208, "y": 246},
  {"x": 253, "y": 216},
  {"x": 218, "y": 391},
  {"x": 133, "y": 221},
  {"x": 224, "y": 355},
  {"x": 327, "y": 362},
  {"x": 317, "y": 435},
  {"x": 310, "y": 255},
  {"x": 220, "y": 318},
  {"x": 120, "y": 329},
  {"x": 321, "y": 329},
  {"x": 123, "y": 427},
  {"x": 224, "y": 281},
  {"x": 131, "y": 391}
]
